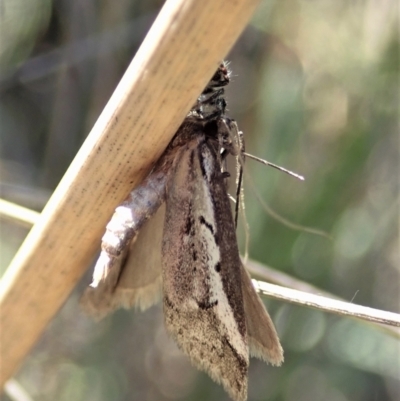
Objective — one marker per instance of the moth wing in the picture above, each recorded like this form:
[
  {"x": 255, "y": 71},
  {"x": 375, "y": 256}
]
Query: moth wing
[
  {"x": 140, "y": 283},
  {"x": 132, "y": 279},
  {"x": 263, "y": 339},
  {"x": 203, "y": 305}
]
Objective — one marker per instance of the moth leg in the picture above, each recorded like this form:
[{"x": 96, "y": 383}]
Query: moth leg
[
  {"x": 229, "y": 136},
  {"x": 232, "y": 142}
]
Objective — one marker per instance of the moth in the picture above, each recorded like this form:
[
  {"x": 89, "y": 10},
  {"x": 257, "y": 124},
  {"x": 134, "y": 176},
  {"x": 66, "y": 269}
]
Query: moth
[{"x": 211, "y": 308}]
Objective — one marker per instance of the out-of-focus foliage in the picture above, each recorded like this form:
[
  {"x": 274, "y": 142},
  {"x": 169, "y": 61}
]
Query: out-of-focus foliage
[{"x": 315, "y": 88}]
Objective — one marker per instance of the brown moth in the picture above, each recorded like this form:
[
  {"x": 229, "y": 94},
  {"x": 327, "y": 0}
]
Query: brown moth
[{"x": 211, "y": 308}]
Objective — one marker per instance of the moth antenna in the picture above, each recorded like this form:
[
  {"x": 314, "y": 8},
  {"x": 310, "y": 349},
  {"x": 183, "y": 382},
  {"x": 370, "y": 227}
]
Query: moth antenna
[{"x": 267, "y": 163}]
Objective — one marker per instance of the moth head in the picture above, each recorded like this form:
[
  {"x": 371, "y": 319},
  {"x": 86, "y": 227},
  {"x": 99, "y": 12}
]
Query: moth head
[{"x": 221, "y": 78}]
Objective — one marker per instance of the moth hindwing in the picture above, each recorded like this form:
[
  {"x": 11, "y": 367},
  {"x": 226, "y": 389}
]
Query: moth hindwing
[{"x": 210, "y": 306}]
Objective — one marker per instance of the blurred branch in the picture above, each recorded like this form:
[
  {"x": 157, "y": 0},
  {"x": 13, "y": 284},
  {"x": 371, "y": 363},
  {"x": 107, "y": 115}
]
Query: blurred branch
[
  {"x": 33, "y": 197},
  {"x": 18, "y": 213},
  {"x": 174, "y": 63},
  {"x": 16, "y": 392},
  {"x": 101, "y": 44}
]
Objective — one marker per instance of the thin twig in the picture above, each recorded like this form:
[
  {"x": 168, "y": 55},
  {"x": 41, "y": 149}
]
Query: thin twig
[
  {"x": 269, "y": 274},
  {"x": 327, "y": 304},
  {"x": 274, "y": 276}
]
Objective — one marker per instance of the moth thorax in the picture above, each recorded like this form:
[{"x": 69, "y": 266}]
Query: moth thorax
[{"x": 212, "y": 105}]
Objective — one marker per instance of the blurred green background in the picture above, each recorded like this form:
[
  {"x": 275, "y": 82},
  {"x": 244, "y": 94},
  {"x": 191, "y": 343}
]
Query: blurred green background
[{"x": 316, "y": 89}]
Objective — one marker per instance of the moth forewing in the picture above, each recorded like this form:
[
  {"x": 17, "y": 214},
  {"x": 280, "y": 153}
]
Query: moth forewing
[
  {"x": 132, "y": 279},
  {"x": 203, "y": 303},
  {"x": 140, "y": 282}
]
